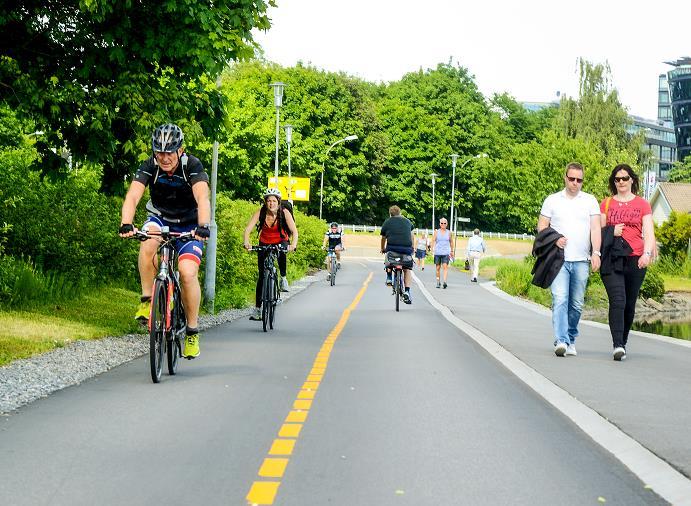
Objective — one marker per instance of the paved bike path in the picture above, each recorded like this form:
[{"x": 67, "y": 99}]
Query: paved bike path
[{"x": 647, "y": 396}]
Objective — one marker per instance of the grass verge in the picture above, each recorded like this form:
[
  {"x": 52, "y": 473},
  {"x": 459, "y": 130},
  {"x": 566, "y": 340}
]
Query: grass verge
[{"x": 105, "y": 312}]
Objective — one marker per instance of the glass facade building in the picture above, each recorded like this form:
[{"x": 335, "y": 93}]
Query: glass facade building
[
  {"x": 659, "y": 140},
  {"x": 679, "y": 81}
]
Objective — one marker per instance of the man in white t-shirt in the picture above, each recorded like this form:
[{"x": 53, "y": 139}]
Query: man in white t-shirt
[{"x": 576, "y": 216}]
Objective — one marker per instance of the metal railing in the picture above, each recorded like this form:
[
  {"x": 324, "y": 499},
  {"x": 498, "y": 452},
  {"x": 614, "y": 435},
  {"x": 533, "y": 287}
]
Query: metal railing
[{"x": 460, "y": 233}]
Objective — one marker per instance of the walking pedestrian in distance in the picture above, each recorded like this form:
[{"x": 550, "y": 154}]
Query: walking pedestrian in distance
[
  {"x": 628, "y": 239},
  {"x": 476, "y": 248},
  {"x": 421, "y": 247},
  {"x": 443, "y": 249},
  {"x": 574, "y": 215}
]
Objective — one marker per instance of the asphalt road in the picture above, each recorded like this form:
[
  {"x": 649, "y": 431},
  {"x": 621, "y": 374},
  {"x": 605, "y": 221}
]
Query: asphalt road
[{"x": 358, "y": 406}]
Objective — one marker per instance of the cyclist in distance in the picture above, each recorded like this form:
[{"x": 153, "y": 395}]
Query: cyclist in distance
[
  {"x": 179, "y": 190},
  {"x": 334, "y": 237},
  {"x": 275, "y": 225},
  {"x": 397, "y": 236}
]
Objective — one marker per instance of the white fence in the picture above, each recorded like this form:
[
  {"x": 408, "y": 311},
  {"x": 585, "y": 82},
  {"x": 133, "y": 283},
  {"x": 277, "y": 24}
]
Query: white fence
[{"x": 460, "y": 233}]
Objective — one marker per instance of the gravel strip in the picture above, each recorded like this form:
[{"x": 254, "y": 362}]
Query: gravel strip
[{"x": 26, "y": 380}]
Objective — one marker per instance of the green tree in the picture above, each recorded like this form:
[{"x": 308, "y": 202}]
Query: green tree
[
  {"x": 97, "y": 75},
  {"x": 681, "y": 171}
]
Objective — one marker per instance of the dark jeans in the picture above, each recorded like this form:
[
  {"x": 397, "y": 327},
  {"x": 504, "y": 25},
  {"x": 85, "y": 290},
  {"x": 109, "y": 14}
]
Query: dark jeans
[
  {"x": 282, "y": 265},
  {"x": 622, "y": 292}
]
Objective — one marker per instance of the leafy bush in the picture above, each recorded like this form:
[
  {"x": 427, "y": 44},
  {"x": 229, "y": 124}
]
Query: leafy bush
[
  {"x": 673, "y": 237},
  {"x": 653, "y": 286},
  {"x": 64, "y": 224},
  {"x": 23, "y": 285}
]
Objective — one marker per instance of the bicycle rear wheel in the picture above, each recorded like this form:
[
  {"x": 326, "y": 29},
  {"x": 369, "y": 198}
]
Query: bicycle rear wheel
[
  {"x": 179, "y": 323},
  {"x": 397, "y": 287},
  {"x": 157, "y": 330}
]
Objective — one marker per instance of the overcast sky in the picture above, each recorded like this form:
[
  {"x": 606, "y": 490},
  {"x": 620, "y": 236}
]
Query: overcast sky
[{"x": 527, "y": 48}]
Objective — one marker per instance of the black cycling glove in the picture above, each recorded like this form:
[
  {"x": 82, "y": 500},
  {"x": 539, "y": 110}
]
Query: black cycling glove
[
  {"x": 203, "y": 231},
  {"x": 126, "y": 228}
]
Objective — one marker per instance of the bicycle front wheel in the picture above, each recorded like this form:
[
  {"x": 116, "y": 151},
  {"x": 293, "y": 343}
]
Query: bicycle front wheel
[
  {"x": 267, "y": 293},
  {"x": 157, "y": 329},
  {"x": 179, "y": 323},
  {"x": 276, "y": 296},
  {"x": 333, "y": 271}
]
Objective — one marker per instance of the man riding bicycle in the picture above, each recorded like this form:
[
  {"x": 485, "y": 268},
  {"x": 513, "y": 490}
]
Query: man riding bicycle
[
  {"x": 179, "y": 190},
  {"x": 335, "y": 239},
  {"x": 397, "y": 236}
]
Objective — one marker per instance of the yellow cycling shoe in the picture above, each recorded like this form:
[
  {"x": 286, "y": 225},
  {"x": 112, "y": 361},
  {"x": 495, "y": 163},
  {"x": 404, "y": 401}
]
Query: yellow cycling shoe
[
  {"x": 191, "y": 348},
  {"x": 143, "y": 312}
]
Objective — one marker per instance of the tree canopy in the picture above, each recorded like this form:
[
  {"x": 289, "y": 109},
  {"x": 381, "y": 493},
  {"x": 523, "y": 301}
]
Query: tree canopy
[{"x": 96, "y": 75}]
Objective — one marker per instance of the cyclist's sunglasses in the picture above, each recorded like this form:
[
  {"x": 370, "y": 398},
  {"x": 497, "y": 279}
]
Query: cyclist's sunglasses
[
  {"x": 577, "y": 179},
  {"x": 622, "y": 178}
]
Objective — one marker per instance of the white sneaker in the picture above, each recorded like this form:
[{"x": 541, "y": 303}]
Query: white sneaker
[
  {"x": 619, "y": 353},
  {"x": 571, "y": 350},
  {"x": 256, "y": 314},
  {"x": 560, "y": 349},
  {"x": 284, "y": 285}
]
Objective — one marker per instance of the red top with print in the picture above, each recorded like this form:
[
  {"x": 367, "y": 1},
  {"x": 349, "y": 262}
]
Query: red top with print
[{"x": 631, "y": 215}]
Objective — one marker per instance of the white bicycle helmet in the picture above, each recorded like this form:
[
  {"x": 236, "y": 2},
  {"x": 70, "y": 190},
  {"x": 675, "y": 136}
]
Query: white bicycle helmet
[
  {"x": 272, "y": 192},
  {"x": 167, "y": 138}
]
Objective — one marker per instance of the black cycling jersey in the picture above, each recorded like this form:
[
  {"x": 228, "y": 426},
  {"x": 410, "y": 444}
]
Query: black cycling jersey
[
  {"x": 334, "y": 238},
  {"x": 171, "y": 195}
]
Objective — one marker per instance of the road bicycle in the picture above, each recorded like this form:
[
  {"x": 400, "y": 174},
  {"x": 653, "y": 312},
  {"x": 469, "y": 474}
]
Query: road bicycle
[
  {"x": 398, "y": 262},
  {"x": 332, "y": 263},
  {"x": 271, "y": 293},
  {"x": 167, "y": 321}
]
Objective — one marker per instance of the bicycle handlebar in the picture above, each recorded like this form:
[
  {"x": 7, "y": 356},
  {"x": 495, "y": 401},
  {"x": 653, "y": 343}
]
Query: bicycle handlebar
[
  {"x": 268, "y": 247},
  {"x": 164, "y": 234}
]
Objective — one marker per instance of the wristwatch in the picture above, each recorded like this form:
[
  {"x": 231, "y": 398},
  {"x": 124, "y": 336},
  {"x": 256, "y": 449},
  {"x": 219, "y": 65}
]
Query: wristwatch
[
  {"x": 649, "y": 253},
  {"x": 595, "y": 252}
]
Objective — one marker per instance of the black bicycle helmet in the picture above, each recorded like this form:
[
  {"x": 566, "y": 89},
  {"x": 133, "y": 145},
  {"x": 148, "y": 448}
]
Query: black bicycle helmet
[
  {"x": 167, "y": 138},
  {"x": 333, "y": 224}
]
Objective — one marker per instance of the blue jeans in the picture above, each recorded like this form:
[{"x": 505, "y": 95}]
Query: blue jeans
[{"x": 568, "y": 292}]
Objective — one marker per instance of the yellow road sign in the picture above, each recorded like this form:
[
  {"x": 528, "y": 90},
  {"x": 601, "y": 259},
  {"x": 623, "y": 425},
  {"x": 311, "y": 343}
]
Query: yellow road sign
[{"x": 295, "y": 188}]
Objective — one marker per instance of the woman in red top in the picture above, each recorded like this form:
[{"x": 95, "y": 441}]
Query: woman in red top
[
  {"x": 631, "y": 218},
  {"x": 275, "y": 225}
]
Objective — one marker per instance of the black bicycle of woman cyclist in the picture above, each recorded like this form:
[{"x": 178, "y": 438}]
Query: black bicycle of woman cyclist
[
  {"x": 167, "y": 321},
  {"x": 271, "y": 294}
]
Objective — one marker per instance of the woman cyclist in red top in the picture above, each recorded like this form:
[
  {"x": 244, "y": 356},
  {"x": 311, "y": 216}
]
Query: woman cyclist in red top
[{"x": 275, "y": 225}]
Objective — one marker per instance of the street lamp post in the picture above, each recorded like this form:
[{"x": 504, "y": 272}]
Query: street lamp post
[
  {"x": 289, "y": 139},
  {"x": 433, "y": 220},
  {"x": 278, "y": 102},
  {"x": 321, "y": 186},
  {"x": 454, "y": 157}
]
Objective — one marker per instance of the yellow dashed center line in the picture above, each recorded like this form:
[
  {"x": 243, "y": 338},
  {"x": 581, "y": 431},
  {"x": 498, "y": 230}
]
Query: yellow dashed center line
[{"x": 273, "y": 466}]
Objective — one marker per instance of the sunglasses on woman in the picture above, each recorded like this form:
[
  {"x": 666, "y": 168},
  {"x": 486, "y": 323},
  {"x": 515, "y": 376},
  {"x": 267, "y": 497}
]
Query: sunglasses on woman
[{"x": 622, "y": 178}]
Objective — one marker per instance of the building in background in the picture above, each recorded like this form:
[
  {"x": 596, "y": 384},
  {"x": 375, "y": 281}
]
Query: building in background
[
  {"x": 679, "y": 82},
  {"x": 670, "y": 197},
  {"x": 659, "y": 140},
  {"x": 664, "y": 105}
]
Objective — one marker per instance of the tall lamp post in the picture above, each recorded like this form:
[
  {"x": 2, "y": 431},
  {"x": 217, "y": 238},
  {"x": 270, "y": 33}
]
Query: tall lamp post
[
  {"x": 433, "y": 220},
  {"x": 289, "y": 139},
  {"x": 321, "y": 186},
  {"x": 454, "y": 157},
  {"x": 278, "y": 102}
]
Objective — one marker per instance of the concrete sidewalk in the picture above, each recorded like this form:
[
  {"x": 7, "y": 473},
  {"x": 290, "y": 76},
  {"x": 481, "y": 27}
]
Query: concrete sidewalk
[{"x": 648, "y": 396}]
